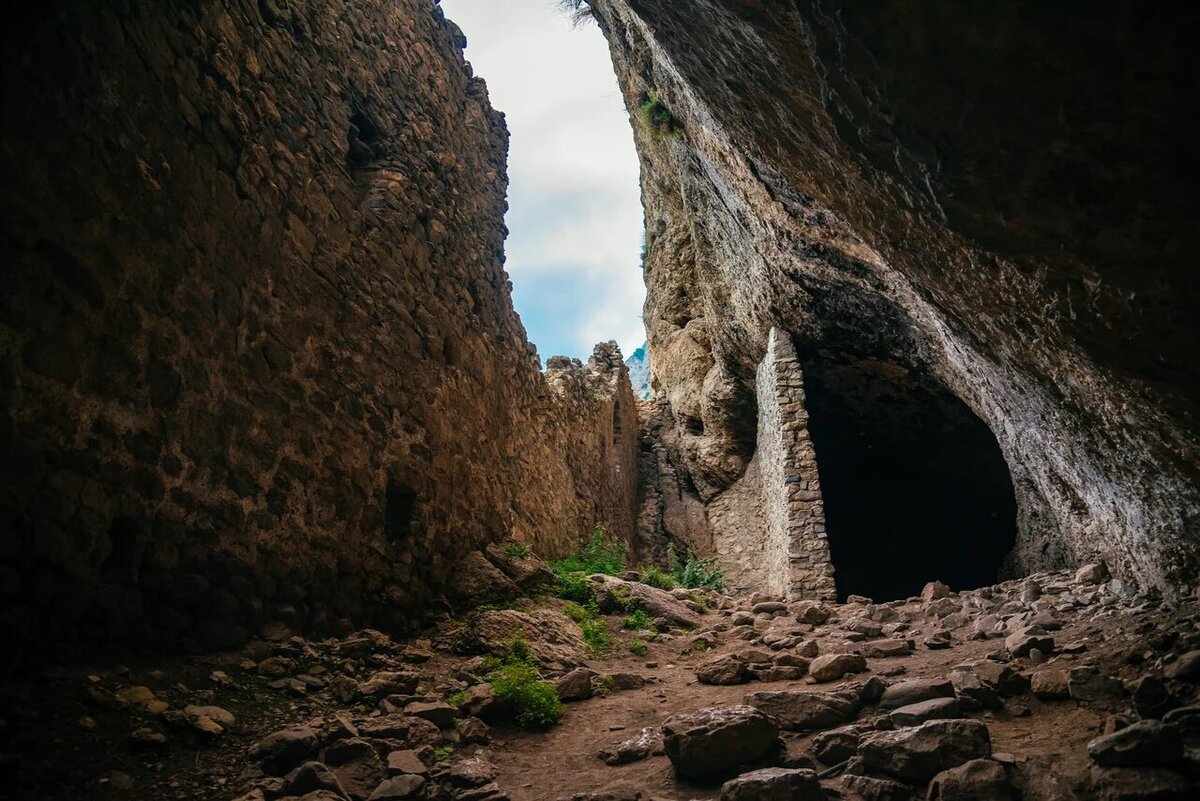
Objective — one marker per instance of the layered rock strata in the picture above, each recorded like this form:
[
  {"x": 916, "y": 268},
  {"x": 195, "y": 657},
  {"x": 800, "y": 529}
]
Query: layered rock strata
[
  {"x": 259, "y": 358},
  {"x": 995, "y": 205}
]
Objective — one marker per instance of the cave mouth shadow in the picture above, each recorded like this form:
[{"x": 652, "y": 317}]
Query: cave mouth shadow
[{"x": 915, "y": 487}]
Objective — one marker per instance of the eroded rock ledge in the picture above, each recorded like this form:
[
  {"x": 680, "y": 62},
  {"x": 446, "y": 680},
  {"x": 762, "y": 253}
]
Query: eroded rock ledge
[{"x": 974, "y": 229}]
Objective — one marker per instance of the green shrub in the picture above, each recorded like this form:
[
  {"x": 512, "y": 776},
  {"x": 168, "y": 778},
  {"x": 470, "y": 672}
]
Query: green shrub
[
  {"x": 658, "y": 118},
  {"x": 577, "y": 612},
  {"x": 595, "y": 634},
  {"x": 457, "y": 699},
  {"x": 516, "y": 550},
  {"x": 443, "y": 752},
  {"x": 575, "y": 587},
  {"x": 638, "y": 621},
  {"x": 699, "y": 600},
  {"x": 655, "y": 576},
  {"x": 519, "y": 689},
  {"x": 695, "y": 573},
  {"x": 637, "y": 647},
  {"x": 602, "y": 686},
  {"x": 600, "y": 555}
]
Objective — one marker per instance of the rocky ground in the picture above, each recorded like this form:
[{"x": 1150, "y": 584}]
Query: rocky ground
[{"x": 1058, "y": 686}]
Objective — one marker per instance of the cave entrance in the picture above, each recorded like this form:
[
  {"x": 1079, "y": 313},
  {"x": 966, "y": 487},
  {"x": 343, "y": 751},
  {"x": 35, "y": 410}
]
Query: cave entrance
[{"x": 915, "y": 487}]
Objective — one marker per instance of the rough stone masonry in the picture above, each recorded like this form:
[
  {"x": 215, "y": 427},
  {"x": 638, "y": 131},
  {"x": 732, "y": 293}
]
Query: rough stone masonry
[{"x": 258, "y": 357}]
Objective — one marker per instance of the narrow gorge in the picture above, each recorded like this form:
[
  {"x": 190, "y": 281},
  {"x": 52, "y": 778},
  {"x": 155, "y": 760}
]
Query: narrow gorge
[{"x": 293, "y": 509}]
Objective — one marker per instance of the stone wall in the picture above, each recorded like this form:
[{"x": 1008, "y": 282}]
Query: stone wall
[
  {"x": 1016, "y": 236},
  {"x": 258, "y": 356}
]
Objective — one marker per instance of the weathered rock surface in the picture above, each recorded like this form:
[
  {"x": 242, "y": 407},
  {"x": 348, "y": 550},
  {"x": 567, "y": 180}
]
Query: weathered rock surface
[
  {"x": 714, "y": 741},
  {"x": 802, "y": 710},
  {"x": 808, "y": 189},
  {"x": 773, "y": 784},
  {"x": 922, "y": 752},
  {"x": 261, "y": 358}
]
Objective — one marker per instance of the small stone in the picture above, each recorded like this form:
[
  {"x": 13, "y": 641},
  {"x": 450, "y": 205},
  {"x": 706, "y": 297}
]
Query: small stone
[
  {"x": 812, "y": 612},
  {"x": 884, "y": 649},
  {"x": 768, "y": 607},
  {"x": 312, "y": 777},
  {"x": 389, "y": 683},
  {"x": 1151, "y": 698},
  {"x": 803, "y": 711},
  {"x": 922, "y": 752},
  {"x": 1146, "y": 742},
  {"x": 934, "y": 591},
  {"x": 914, "y": 691},
  {"x": 474, "y": 730},
  {"x": 407, "y": 761},
  {"x": 646, "y": 743},
  {"x": 575, "y": 685},
  {"x": 713, "y": 741},
  {"x": 722, "y": 670},
  {"x": 406, "y": 786},
  {"x": 773, "y": 784},
  {"x": 283, "y": 750},
  {"x": 1050, "y": 685},
  {"x": 1025, "y": 639},
  {"x": 858, "y": 600},
  {"x": 1185, "y": 668},
  {"x": 977, "y": 780},
  {"x": 1092, "y": 574},
  {"x": 438, "y": 713},
  {"x": 831, "y": 667},
  {"x": 933, "y": 709},
  {"x": 471, "y": 772},
  {"x": 1087, "y": 683}
]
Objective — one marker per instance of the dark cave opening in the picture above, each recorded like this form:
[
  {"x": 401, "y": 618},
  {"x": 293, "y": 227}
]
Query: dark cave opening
[{"x": 915, "y": 487}]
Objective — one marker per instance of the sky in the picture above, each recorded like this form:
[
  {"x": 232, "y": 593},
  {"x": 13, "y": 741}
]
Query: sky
[{"x": 575, "y": 214}]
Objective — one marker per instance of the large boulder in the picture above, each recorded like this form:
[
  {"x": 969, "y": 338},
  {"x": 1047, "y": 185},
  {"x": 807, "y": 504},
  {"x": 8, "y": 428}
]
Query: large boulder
[
  {"x": 800, "y": 711},
  {"x": 915, "y": 691},
  {"x": 773, "y": 784},
  {"x": 712, "y": 742},
  {"x": 977, "y": 780},
  {"x": 615, "y": 594},
  {"x": 922, "y": 752},
  {"x": 553, "y": 638},
  {"x": 1146, "y": 742},
  {"x": 524, "y": 569},
  {"x": 832, "y": 667},
  {"x": 284, "y": 750},
  {"x": 476, "y": 581},
  {"x": 725, "y": 669}
]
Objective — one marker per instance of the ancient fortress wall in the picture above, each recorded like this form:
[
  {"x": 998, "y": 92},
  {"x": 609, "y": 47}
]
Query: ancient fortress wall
[{"x": 258, "y": 356}]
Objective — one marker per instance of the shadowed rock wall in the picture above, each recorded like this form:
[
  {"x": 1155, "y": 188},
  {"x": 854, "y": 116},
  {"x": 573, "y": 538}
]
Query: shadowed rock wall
[
  {"x": 258, "y": 357},
  {"x": 996, "y": 200}
]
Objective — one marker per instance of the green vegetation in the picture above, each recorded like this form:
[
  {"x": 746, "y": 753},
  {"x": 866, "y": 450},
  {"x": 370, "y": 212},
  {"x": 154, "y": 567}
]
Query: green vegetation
[
  {"x": 600, "y": 555},
  {"x": 655, "y": 576},
  {"x": 595, "y": 630},
  {"x": 595, "y": 634},
  {"x": 636, "y": 646},
  {"x": 516, "y": 550},
  {"x": 519, "y": 689},
  {"x": 658, "y": 118},
  {"x": 695, "y": 574},
  {"x": 638, "y": 621},
  {"x": 602, "y": 686},
  {"x": 443, "y": 752},
  {"x": 457, "y": 699}
]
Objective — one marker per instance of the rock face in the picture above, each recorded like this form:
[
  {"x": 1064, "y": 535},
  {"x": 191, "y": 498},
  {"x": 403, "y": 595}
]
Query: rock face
[
  {"x": 260, "y": 359},
  {"x": 1001, "y": 260}
]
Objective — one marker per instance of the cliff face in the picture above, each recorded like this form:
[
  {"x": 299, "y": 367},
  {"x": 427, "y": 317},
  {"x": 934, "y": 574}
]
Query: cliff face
[
  {"x": 259, "y": 359},
  {"x": 976, "y": 227}
]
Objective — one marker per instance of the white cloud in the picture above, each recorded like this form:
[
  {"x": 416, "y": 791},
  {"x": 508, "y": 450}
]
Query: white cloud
[{"x": 575, "y": 216}]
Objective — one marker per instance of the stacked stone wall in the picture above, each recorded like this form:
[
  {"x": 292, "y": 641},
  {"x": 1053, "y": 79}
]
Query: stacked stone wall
[{"x": 258, "y": 357}]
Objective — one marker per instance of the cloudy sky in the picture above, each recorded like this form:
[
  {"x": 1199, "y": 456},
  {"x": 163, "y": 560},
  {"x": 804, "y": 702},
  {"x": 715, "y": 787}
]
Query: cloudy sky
[{"x": 574, "y": 217}]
